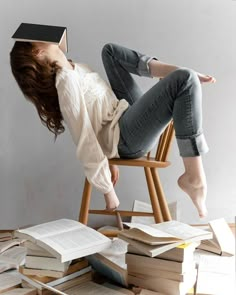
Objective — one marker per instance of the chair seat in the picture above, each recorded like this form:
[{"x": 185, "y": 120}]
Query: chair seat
[{"x": 140, "y": 162}]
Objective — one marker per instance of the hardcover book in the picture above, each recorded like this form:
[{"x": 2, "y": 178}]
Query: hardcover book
[{"x": 28, "y": 32}]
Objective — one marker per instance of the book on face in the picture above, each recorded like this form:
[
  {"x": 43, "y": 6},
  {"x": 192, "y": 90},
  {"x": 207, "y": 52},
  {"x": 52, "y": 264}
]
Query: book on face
[
  {"x": 66, "y": 239},
  {"x": 28, "y": 32}
]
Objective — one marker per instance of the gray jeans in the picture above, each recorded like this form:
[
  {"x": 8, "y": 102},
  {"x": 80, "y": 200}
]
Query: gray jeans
[{"x": 178, "y": 96}]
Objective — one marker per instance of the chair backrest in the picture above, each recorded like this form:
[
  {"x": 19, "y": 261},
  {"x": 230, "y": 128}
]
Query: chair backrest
[{"x": 165, "y": 143}]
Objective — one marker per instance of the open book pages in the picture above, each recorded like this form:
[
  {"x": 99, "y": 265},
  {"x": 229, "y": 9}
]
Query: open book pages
[
  {"x": 111, "y": 262},
  {"x": 149, "y": 250},
  {"x": 216, "y": 275},
  {"x": 66, "y": 239},
  {"x": 116, "y": 252},
  {"x": 9, "y": 243},
  {"x": 223, "y": 236},
  {"x": 12, "y": 258},
  {"x": 166, "y": 232},
  {"x": 140, "y": 206}
]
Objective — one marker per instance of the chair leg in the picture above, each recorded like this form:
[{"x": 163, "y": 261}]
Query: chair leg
[
  {"x": 85, "y": 202},
  {"x": 153, "y": 196},
  {"x": 160, "y": 195}
]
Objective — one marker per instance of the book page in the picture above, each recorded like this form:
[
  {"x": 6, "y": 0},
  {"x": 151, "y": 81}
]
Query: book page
[
  {"x": 118, "y": 247},
  {"x": 223, "y": 235},
  {"x": 140, "y": 206},
  {"x": 75, "y": 240},
  {"x": 10, "y": 243},
  {"x": 116, "y": 252},
  {"x": 152, "y": 230},
  {"x": 216, "y": 275},
  {"x": 51, "y": 228},
  {"x": 12, "y": 258},
  {"x": 16, "y": 254},
  {"x": 181, "y": 230}
]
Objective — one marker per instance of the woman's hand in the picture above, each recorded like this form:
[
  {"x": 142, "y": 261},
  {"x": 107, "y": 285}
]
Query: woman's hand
[
  {"x": 114, "y": 174},
  {"x": 206, "y": 78},
  {"x": 112, "y": 201}
]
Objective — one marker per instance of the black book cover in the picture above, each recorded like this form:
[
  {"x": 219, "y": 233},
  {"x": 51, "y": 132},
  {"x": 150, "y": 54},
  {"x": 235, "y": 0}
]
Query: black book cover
[{"x": 44, "y": 33}]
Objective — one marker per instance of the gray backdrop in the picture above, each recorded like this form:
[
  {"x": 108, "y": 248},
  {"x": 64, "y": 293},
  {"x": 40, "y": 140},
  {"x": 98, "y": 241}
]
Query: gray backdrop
[{"x": 41, "y": 180}]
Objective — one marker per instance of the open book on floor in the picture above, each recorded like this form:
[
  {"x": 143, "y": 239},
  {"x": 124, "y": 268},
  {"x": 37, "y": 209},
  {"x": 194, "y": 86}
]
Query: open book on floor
[
  {"x": 223, "y": 242},
  {"x": 111, "y": 262},
  {"x": 66, "y": 239},
  {"x": 164, "y": 233}
]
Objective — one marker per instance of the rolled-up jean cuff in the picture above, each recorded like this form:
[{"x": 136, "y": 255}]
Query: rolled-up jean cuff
[
  {"x": 143, "y": 67},
  {"x": 192, "y": 147}
]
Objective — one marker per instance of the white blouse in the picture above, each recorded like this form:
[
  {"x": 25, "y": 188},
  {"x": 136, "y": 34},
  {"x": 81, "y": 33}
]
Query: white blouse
[{"x": 91, "y": 111}]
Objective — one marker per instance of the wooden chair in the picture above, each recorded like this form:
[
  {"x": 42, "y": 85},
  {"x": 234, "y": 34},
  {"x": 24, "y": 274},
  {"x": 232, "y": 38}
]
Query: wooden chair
[{"x": 150, "y": 164}]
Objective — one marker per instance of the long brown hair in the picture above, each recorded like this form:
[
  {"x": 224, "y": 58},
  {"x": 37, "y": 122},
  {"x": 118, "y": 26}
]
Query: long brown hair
[{"x": 36, "y": 79}]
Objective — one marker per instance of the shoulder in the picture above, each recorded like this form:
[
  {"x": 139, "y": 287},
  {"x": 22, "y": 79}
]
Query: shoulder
[
  {"x": 65, "y": 77},
  {"x": 84, "y": 67}
]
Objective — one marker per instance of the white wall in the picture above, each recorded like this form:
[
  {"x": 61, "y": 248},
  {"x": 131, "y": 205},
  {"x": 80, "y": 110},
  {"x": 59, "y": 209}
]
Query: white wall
[{"x": 40, "y": 180}]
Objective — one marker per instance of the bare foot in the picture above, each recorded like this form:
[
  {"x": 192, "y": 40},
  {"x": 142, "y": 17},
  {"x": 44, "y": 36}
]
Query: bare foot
[
  {"x": 112, "y": 201},
  {"x": 206, "y": 78},
  {"x": 197, "y": 191}
]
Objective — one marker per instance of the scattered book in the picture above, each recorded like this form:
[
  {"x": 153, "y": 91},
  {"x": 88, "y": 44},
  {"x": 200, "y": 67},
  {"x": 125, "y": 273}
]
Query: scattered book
[
  {"x": 162, "y": 285},
  {"x": 164, "y": 233},
  {"x": 111, "y": 262},
  {"x": 46, "y": 289},
  {"x": 216, "y": 275},
  {"x": 12, "y": 258},
  {"x": 223, "y": 241},
  {"x": 5, "y": 236},
  {"x": 65, "y": 239},
  {"x": 28, "y": 32},
  {"x": 9, "y": 281},
  {"x": 34, "y": 250},
  {"x": 158, "y": 264},
  {"x": 9, "y": 244},
  {"x": 47, "y": 263},
  {"x": 183, "y": 252}
]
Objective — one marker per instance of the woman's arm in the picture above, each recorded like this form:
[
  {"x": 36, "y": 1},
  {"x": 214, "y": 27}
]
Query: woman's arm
[{"x": 160, "y": 70}]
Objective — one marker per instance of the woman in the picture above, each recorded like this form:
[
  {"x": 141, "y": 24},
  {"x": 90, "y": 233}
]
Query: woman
[{"x": 116, "y": 121}]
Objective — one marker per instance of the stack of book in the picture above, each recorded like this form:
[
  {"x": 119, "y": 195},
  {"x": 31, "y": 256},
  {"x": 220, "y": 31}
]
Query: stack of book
[
  {"x": 172, "y": 272},
  {"x": 56, "y": 254},
  {"x": 160, "y": 256}
]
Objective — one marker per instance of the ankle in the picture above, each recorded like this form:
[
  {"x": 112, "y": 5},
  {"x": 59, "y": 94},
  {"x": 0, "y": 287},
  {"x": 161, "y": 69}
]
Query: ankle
[{"x": 196, "y": 181}]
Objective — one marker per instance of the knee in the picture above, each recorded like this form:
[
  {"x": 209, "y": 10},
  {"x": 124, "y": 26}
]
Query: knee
[
  {"x": 187, "y": 75},
  {"x": 107, "y": 49}
]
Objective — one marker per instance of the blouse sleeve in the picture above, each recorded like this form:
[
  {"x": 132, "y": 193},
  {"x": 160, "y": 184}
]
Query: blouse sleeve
[{"x": 89, "y": 151}]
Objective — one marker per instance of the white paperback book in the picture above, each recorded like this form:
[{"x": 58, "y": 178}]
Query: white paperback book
[{"x": 66, "y": 239}]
